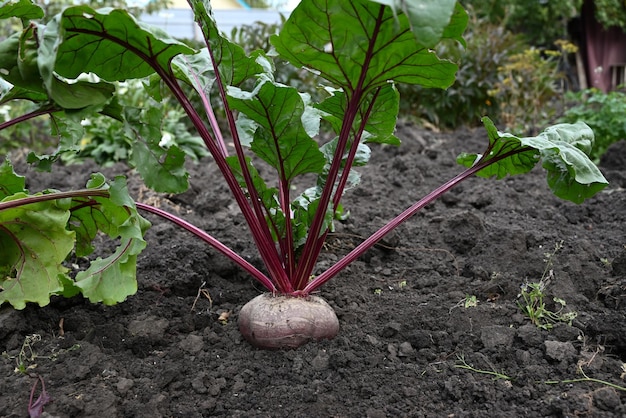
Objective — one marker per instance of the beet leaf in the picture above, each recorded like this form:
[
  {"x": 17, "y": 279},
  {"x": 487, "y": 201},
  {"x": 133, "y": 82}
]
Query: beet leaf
[{"x": 38, "y": 232}]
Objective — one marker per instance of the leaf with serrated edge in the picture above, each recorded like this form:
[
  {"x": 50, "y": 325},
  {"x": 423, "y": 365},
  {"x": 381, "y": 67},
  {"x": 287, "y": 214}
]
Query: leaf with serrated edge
[
  {"x": 112, "y": 279},
  {"x": 34, "y": 242},
  {"x": 69, "y": 132},
  {"x": 561, "y": 148}
]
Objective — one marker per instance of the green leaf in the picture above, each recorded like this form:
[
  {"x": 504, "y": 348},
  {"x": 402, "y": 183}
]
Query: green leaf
[
  {"x": 161, "y": 169},
  {"x": 457, "y": 26},
  {"x": 10, "y": 62},
  {"x": 111, "y": 44},
  {"x": 361, "y": 157},
  {"x": 10, "y": 182},
  {"x": 22, "y": 9},
  {"x": 112, "y": 279},
  {"x": 76, "y": 94},
  {"x": 521, "y": 161},
  {"x": 196, "y": 70},
  {"x": 18, "y": 60},
  {"x": 429, "y": 19},
  {"x": 563, "y": 150},
  {"x": 380, "y": 120},
  {"x": 267, "y": 194},
  {"x": 27, "y": 58},
  {"x": 28, "y": 62},
  {"x": 305, "y": 205},
  {"x": 304, "y": 208},
  {"x": 106, "y": 280},
  {"x": 37, "y": 237},
  {"x": 88, "y": 218},
  {"x": 69, "y": 132},
  {"x": 281, "y": 138},
  {"x": 359, "y": 45},
  {"x": 383, "y": 117},
  {"x": 10, "y": 92},
  {"x": 235, "y": 66},
  {"x": 34, "y": 243}
]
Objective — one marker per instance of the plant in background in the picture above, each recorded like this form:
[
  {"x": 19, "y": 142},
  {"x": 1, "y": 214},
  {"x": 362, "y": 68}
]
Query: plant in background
[
  {"x": 360, "y": 50},
  {"x": 529, "y": 85},
  {"x": 541, "y": 22},
  {"x": 33, "y": 136},
  {"x": 467, "y": 100},
  {"x": 610, "y": 13},
  {"x": 605, "y": 113},
  {"x": 107, "y": 141},
  {"x": 532, "y": 298}
]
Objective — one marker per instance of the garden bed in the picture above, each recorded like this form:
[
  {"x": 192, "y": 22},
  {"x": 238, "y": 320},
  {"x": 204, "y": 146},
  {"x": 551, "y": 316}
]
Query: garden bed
[{"x": 411, "y": 342}]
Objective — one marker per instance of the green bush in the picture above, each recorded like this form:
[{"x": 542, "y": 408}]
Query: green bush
[
  {"x": 34, "y": 136},
  {"x": 605, "y": 113},
  {"x": 611, "y": 13},
  {"x": 529, "y": 87},
  {"x": 540, "y": 22},
  {"x": 488, "y": 48}
]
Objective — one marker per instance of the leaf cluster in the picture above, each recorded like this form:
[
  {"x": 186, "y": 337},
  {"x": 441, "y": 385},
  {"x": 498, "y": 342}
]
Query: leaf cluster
[
  {"x": 359, "y": 51},
  {"x": 38, "y": 231},
  {"x": 540, "y": 22},
  {"x": 605, "y": 113}
]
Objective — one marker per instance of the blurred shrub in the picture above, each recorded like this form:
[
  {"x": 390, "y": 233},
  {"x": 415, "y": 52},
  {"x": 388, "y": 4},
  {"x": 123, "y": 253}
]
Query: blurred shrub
[
  {"x": 529, "y": 87},
  {"x": 33, "y": 135},
  {"x": 605, "y": 113},
  {"x": 488, "y": 48},
  {"x": 611, "y": 13},
  {"x": 541, "y": 22},
  {"x": 256, "y": 35}
]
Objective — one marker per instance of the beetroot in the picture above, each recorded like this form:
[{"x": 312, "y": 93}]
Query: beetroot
[{"x": 281, "y": 321}]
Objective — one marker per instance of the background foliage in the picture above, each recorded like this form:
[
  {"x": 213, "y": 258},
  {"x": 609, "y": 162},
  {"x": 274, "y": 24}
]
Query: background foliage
[
  {"x": 605, "y": 113},
  {"x": 611, "y": 13},
  {"x": 511, "y": 69},
  {"x": 468, "y": 99},
  {"x": 540, "y": 22},
  {"x": 529, "y": 87}
]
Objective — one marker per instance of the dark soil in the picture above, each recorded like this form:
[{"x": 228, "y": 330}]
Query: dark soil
[{"x": 407, "y": 339}]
